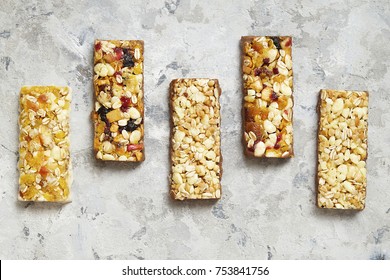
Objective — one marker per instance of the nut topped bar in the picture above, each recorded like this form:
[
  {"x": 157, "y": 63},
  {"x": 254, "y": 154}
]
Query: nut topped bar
[
  {"x": 119, "y": 107},
  {"x": 44, "y": 158},
  {"x": 195, "y": 139},
  {"x": 342, "y": 149},
  {"x": 268, "y": 101}
]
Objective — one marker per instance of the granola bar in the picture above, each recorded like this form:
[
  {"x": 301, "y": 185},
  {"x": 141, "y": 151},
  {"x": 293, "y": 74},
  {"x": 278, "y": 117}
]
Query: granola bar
[
  {"x": 342, "y": 149},
  {"x": 119, "y": 107},
  {"x": 44, "y": 157},
  {"x": 195, "y": 139},
  {"x": 268, "y": 101}
]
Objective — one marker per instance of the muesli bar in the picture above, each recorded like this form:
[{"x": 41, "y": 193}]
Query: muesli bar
[
  {"x": 44, "y": 157},
  {"x": 268, "y": 96},
  {"x": 119, "y": 100},
  {"x": 195, "y": 139},
  {"x": 342, "y": 149}
]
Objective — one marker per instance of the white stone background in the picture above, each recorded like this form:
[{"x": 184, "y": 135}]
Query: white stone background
[{"x": 123, "y": 211}]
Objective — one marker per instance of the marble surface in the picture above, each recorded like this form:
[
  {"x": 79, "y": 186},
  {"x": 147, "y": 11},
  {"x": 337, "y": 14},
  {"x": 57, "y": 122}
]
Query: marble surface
[{"x": 123, "y": 211}]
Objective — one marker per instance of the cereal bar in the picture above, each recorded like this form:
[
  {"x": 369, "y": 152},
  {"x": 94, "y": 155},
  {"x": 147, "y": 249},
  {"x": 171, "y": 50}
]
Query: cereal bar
[
  {"x": 44, "y": 157},
  {"x": 119, "y": 107},
  {"x": 195, "y": 139},
  {"x": 342, "y": 149},
  {"x": 268, "y": 101}
]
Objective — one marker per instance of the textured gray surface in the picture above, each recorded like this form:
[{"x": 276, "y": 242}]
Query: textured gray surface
[{"x": 123, "y": 211}]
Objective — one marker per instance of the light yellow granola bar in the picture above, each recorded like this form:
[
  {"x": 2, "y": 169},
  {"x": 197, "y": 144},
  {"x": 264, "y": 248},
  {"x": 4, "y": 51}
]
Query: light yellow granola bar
[
  {"x": 44, "y": 156},
  {"x": 195, "y": 139},
  {"x": 342, "y": 149}
]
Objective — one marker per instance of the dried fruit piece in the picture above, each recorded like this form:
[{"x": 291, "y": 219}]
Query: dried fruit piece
[
  {"x": 127, "y": 58},
  {"x": 267, "y": 93},
  {"x": 118, "y": 116}
]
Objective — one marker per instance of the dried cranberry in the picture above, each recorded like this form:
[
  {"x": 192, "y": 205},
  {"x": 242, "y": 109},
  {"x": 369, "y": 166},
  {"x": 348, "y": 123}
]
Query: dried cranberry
[
  {"x": 98, "y": 46},
  {"x": 288, "y": 43},
  {"x": 118, "y": 53},
  {"x": 132, "y": 147},
  {"x": 275, "y": 71},
  {"x": 103, "y": 113},
  {"x": 127, "y": 58},
  {"x": 276, "y": 41},
  {"x": 266, "y": 60},
  {"x": 274, "y": 96},
  {"x": 125, "y": 103},
  {"x": 278, "y": 138}
]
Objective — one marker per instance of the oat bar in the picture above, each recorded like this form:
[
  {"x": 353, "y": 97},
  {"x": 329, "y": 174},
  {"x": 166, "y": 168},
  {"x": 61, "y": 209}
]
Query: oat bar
[
  {"x": 44, "y": 159},
  {"x": 268, "y": 101},
  {"x": 119, "y": 107},
  {"x": 342, "y": 149},
  {"x": 195, "y": 139}
]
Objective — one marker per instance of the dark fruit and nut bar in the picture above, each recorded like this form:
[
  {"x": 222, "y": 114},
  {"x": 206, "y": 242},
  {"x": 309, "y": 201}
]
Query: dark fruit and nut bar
[
  {"x": 119, "y": 105},
  {"x": 195, "y": 139},
  {"x": 44, "y": 157},
  {"x": 267, "y": 88},
  {"x": 342, "y": 149}
]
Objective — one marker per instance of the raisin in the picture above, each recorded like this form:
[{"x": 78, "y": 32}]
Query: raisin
[
  {"x": 127, "y": 58},
  {"x": 256, "y": 128},
  {"x": 266, "y": 60},
  {"x": 103, "y": 113},
  {"x": 107, "y": 130},
  {"x": 102, "y": 88},
  {"x": 276, "y": 71},
  {"x": 98, "y": 46},
  {"x": 118, "y": 53},
  {"x": 274, "y": 96},
  {"x": 131, "y": 126},
  {"x": 262, "y": 70},
  {"x": 276, "y": 41},
  {"x": 288, "y": 43}
]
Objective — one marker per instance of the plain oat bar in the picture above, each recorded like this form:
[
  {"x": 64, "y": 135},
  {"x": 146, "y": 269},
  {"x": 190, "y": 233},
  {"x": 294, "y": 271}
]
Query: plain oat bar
[
  {"x": 268, "y": 101},
  {"x": 44, "y": 158},
  {"x": 342, "y": 149},
  {"x": 195, "y": 139},
  {"x": 119, "y": 107}
]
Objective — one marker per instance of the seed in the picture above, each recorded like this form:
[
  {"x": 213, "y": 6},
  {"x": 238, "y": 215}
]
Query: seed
[
  {"x": 259, "y": 149},
  {"x": 135, "y": 136},
  {"x": 269, "y": 127}
]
